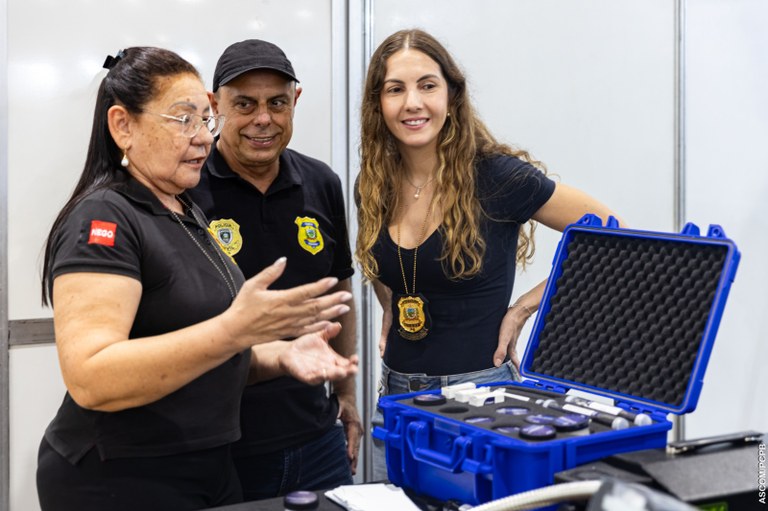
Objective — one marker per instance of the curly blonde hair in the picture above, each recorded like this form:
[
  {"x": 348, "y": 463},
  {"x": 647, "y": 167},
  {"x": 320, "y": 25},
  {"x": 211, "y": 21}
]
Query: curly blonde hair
[{"x": 463, "y": 139}]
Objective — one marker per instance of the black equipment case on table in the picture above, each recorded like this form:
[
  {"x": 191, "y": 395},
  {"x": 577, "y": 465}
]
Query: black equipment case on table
[
  {"x": 627, "y": 315},
  {"x": 716, "y": 473}
]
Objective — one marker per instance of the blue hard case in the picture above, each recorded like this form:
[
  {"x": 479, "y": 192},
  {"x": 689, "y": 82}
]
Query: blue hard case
[{"x": 627, "y": 315}]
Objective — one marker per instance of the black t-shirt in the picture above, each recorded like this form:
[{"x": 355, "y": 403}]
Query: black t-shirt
[
  {"x": 126, "y": 231},
  {"x": 466, "y": 314},
  {"x": 301, "y": 217}
]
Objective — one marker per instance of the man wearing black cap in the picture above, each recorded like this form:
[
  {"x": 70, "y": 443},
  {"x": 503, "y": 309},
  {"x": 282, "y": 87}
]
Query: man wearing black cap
[{"x": 265, "y": 201}]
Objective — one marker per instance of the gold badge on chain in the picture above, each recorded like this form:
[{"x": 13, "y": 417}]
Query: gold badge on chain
[{"x": 412, "y": 318}]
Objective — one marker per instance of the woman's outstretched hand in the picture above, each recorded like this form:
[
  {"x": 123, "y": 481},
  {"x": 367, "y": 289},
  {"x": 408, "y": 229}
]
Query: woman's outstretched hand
[
  {"x": 308, "y": 358},
  {"x": 259, "y": 314}
]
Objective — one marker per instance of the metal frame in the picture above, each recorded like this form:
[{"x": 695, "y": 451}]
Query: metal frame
[
  {"x": 28, "y": 332},
  {"x": 344, "y": 14},
  {"x": 678, "y": 421},
  {"x": 359, "y": 34},
  {"x": 5, "y": 420},
  {"x": 370, "y": 353}
]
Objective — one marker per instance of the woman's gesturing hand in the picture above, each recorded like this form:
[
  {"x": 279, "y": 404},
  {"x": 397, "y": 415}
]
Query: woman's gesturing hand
[
  {"x": 308, "y": 358},
  {"x": 259, "y": 314}
]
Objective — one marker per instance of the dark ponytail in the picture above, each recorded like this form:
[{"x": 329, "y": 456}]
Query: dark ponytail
[{"x": 131, "y": 82}]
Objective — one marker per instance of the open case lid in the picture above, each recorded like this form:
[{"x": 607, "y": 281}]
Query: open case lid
[{"x": 632, "y": 315}]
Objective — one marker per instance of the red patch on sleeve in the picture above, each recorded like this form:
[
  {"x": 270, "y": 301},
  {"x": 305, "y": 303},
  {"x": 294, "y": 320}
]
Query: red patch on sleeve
[{"x": 102, "y": 233}]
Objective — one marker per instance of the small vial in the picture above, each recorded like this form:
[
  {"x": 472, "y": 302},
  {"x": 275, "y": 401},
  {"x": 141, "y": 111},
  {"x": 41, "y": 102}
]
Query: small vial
[{"x": 297, "y": 500}]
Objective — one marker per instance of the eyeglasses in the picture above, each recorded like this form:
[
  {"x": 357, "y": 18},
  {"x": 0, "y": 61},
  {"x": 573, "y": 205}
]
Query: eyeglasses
[{"x": 190, "y": 124}]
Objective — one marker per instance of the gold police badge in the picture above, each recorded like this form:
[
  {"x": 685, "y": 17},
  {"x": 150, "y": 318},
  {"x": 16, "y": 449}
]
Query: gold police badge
[
  {"x": 227, "y": 232},
  {"x": 412, "y": 318},
  {"x": 310, "y": 237}
]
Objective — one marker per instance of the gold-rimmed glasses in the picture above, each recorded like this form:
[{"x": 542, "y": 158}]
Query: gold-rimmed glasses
[{"x": 190, "y": 124}]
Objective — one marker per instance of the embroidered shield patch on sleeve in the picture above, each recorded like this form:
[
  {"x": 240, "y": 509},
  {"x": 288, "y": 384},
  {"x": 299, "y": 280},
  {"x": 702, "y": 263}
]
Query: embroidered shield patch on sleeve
[{"x": 310, "y": 237}]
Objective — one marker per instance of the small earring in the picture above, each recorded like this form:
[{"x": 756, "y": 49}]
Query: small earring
[{"x": 124, "y": 161}]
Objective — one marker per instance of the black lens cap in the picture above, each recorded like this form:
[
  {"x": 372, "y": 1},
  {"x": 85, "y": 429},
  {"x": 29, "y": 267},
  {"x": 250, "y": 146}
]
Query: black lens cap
[
  {"x": 479, "y": 419},
  {"x": 429, "y": 400},
  {"x": 512, "y": 410},
  {"x": 297, "y": 500},
  {"x": 540, "y": 418},
  {"x": 507, "y": 430},
  {"x": 537, "y": 432},
  {"x": 571, "y": 422}
]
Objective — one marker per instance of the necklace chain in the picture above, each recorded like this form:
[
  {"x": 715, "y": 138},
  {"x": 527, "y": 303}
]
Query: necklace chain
[
  {"x": 419, "y": 188},
  {"x": 415, "y": 250},
  {"x": 231, "y": 282}
]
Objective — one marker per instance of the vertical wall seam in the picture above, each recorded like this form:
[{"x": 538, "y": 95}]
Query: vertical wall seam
[
  {"x": 369, "y": 354},
  {"x": 342, "y": 161},
  {"x": 5, "y": 409},
  {"x": 678, "y": 421},
  {"x": 680, "y": 134}
]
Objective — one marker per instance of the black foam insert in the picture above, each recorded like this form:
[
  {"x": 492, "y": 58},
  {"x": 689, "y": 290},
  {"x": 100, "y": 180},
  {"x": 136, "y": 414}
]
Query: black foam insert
[{"x": 628, "y": 314}]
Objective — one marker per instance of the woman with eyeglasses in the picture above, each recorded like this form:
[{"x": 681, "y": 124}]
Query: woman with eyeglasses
[{"x": 156, "y": 329}]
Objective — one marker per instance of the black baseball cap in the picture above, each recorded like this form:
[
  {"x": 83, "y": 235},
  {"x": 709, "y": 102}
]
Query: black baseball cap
[{"x": 248, "y": 55}]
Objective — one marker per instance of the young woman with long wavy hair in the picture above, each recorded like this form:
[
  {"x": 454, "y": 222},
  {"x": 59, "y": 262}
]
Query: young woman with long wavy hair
[{"x": 445, "y": 215}]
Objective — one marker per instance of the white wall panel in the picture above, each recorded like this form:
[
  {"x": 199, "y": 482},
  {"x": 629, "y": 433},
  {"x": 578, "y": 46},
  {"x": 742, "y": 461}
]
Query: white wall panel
[
  {"x": 55, "y": 54},
  {"x": 586, "y": 87},
  {"x": 54, "y": 65},
  {"x": 589, "y": 88},
  {"x": 727, "y": 183},
  {"x": 36, "y": 392}
]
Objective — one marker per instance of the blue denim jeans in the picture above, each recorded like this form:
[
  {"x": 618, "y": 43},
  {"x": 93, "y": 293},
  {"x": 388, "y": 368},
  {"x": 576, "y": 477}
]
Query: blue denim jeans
[
  {"x": 393, "y": 382},
  {"x": 319, "y": 464}
]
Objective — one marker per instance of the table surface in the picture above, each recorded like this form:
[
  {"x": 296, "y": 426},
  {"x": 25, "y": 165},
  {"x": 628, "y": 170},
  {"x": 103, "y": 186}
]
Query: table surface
[
  {"x": 325, "y": 504},
  {"x": 276, "y": 504}
]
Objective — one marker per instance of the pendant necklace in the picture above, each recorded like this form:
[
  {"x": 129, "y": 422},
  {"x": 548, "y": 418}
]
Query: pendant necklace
[
  {"x": 231, "y": 286},
  {"x": 417, "y": 194},
  {"x": 413, "y": 315}
]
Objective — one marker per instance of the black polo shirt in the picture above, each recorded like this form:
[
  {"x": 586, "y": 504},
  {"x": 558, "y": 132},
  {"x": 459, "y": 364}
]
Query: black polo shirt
[
  {"x": 127, "y": 231},
  {"x": 466, "y": 314},
  {"x": 301, "y": 217}
]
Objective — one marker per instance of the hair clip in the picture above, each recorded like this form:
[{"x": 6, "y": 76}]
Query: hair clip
[{"x": 110, "y": 61}]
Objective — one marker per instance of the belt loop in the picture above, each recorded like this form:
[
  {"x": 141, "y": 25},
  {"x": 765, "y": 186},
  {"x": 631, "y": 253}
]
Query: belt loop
[{"x": 415, "y": 385}]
